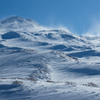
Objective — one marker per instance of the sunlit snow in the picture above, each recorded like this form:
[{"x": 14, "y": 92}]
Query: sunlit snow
[{"x": 39, "y": 63}]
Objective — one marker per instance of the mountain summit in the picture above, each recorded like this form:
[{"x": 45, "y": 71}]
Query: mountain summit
[{"x": 16, "y": 22}]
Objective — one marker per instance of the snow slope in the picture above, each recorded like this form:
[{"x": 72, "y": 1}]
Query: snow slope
[{"x": 38, "y": 63}]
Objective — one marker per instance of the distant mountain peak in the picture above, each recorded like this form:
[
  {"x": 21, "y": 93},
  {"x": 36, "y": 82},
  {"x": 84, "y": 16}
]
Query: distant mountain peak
[
  {"x": 18, "y": 22},
  {"x": 12, "y": 19}
]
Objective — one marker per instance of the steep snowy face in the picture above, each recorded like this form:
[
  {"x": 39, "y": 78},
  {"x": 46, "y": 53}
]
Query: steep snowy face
[{"x": 16, "y": 22}]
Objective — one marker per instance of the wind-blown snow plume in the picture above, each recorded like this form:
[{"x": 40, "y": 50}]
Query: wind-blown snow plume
[{"x": 94, "y": 29}]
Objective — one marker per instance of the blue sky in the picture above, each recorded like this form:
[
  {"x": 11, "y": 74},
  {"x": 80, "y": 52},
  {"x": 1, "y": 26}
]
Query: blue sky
[{"x": 79, "y": 16}]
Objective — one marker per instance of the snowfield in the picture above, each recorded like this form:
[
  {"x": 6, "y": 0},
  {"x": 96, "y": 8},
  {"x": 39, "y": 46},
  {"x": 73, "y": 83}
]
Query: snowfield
[{"x": 38, "y": 63}]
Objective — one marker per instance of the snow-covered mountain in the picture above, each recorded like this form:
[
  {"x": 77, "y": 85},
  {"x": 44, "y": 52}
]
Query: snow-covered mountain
[
  {"x": 18, "y": 22},
  {"x": 39, "y": 63}
]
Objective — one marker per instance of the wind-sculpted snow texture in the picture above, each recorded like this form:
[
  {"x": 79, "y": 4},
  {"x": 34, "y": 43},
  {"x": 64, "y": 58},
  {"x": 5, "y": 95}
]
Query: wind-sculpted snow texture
[{"x": 38, "y": 63}]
